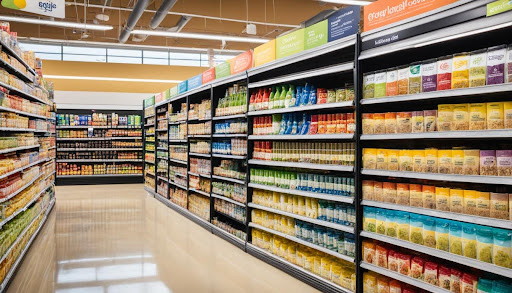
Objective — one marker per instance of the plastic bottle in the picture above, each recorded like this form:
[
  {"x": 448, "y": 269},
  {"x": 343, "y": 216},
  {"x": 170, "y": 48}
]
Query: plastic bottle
[
  {"x": 266, "y": 98},
  {"x": 271, "y": 98},
  {"x": 276, "y": 98},
  {"x": 298, "y": 96},
  {"x": 282, "y": 97},
  {"x": 305, "y": 95},
  {"x": 289, "y": 97}
]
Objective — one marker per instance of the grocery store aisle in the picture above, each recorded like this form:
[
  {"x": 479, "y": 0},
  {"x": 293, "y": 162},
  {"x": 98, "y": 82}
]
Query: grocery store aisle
[{"x": 116, "y": 238}]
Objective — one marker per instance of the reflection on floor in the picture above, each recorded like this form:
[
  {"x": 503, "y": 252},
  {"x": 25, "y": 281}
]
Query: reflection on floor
[{"x": 117, "y": 239}]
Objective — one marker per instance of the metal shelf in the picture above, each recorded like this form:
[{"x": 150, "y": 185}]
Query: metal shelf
[
  {"x": 403, "y": 278},
  {"x": 199, "y": 136},
  {"x": 305, "y": 74},
  {"x": 149, "y": 162},
  {"x": 199, "y": 175},
  {"x": 483, "y": 90},
  {"x": 229, "y": 156},
  {"x": 163, "y": 178},
  {"x": 18, "y": 129},
  {"x": 235, "y": 116},
  {"x": 178, "y": 161},
  {"x": 98, "y": 149},
  {"x": 441, "y": 254},
  {"x": 470, "y": 134},
  {"x": 81, "y": 138},
  {"x": 200, "y": 155},
  {"x": 80, "y": 126},
  {"x": 125, "y": 137},
  {"x": 162, "y": 149},
  {"x": 177, "y": 122},
  {"x": 97, "y": 160},
  {"x": 228, "y": 179},
  {"x": 230, "y": 217},
  {"x": 14, "y": 54},
  {"x": 199, "y": 191},
  {"x": 22, "y": 168},
  {"x": 23, "y": 113},
  {"x": 303, "y": 242},
  {"x": 150, "y": 191},
  {"x": 100, "y": 175},
  {"x": 300, "y": 273},
  {"x": 15, "y": 71},
  {"x": 184, "y": 212},
  {"x": 15, "y": 213},
  {"x": 340, "y": 105},
  {"x": 178, "y": 185},
  {"x": 149, "y": 116},
  {"x": 5, "y": 151},
  {"x": 342, "y": 136},
  {"x": 303, "y": 165},
  {"x": 339, "y": 227},
  {"x": 16, "y": 192},
  {"x": 337, "y": 198},
  {"x": 177, "y": 140},
  {"x": 199, "y": 119},
  {"x": 228, "y": 199},
  {"x": 13, "y": 90},
  {"x": 162, "y": 158},
  {"x": 228, "y": 237},
  {"x": 505, "y": 224},
  {"x": 161, "y": 129},
  {"x": 149, "y": 125},
  {"x": 498, "y": 180},
  {"x": 230, "y": 135}
]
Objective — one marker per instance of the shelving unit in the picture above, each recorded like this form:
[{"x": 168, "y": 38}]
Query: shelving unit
[{"x": 110, "y": 143}]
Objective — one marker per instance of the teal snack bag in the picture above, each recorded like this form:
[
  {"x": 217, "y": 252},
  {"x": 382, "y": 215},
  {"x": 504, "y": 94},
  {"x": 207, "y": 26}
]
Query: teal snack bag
[
  {"x": 429, "y": 231},
  {"x": 391, "y": 224},
  {"x": 404, "y": 228},
  {"x": 456, "y": 237},
  {"x": 369, "y": 220},
  {"x": 380, "y": 215},
  {"x": 484, "y": 238},
  {"x": 416, "y": 228},
  {"x": 501, "y": 252},
  {"x": 484, "y": 286},
  {"x": 469, "y": 240},
  {"x": 443, "y": 234}
]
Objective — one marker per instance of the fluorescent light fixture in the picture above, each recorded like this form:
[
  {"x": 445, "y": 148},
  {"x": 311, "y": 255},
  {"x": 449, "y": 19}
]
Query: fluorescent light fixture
[
  {"x": 77, "y": 25},
  {"x": 200, "y": 36},
  {"x": 111, "y": 79},
  {"x": 466, "y": 34},
  {"x": 348, "y": 2}
]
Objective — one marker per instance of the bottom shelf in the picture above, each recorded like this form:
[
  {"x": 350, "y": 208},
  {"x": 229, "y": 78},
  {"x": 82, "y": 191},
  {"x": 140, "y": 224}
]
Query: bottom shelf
[
  {"x": 184, "y": 212},
  {"x": 150, "y": 191},
  {"x": 228, "y": 237},
  {"x": 14, "y": 267},
  {"x": 295, "y": 271}
]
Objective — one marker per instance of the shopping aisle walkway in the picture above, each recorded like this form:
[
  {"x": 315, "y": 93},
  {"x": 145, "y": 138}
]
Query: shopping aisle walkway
[{"x": 117, "y": 239}]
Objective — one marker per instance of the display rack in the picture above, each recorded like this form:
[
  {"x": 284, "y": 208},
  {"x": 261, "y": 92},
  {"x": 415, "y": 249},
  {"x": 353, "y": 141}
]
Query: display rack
[
  {"x": 462, "y": 27},
  {"x": 110, "y": 144}
]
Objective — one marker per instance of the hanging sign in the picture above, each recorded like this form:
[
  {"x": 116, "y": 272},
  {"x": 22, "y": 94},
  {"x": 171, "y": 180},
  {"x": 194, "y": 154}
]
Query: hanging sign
[
  {"x": 315, "y": 35},
  {"x": 344, "y": 22},
  {"x": 241, "y": 62},
  {"x": 52, "y": 8},
  {"x": 195, "y": 82},
  {"x": 222, "y": 70},
  {"x": 265, "y": 53},
  {"x": 384, "y": 12},
  {"x": 290, "y": 44},
  {"x": 498, "y": 7},
  {"x": 182, "y": 87},
  {"x": 208, "y": 75}
]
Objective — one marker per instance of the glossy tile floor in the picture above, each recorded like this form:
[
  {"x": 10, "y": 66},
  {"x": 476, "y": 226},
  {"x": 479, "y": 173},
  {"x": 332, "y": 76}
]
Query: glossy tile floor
[{"x": 118, "y": 239}]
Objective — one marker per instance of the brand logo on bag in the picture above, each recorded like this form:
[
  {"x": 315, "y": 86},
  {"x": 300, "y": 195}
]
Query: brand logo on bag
[{"x": 47, "y": 6}]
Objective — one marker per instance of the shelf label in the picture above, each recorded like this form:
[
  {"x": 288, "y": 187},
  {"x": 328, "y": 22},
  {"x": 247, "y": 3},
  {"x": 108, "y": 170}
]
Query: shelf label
[
  {"x": 315, "y": 35},
  {"x": 241, "y": 62},
  {"x": 344, "y": 22},
  {"x": 182, "y": 87},
  {"x": 195, "y": 82},
  {"x": 222, "y": 70},
  {"x": 290, "y": 44},
  {"x": 149, "y": 102},
  {"x": 52, "y": 8},
  {"x": 498, "y": 7},
  {"x": 209, "y": 75},
  {"x": 174, "y": 91},
  {"x": 384, "y": 12},
  {"x": 265, "y": 53}
]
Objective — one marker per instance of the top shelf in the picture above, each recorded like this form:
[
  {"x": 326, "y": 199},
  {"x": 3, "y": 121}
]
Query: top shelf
[{"x": 13, "y": 53}]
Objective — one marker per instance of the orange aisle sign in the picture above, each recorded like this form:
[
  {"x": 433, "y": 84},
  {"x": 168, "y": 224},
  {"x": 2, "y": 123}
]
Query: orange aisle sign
[
  {"x": 384, "y": 12},
  {"x": 241, "y": 62},
  {"x": 265, "y": 53},
  {"x": 209, "y": 75}
]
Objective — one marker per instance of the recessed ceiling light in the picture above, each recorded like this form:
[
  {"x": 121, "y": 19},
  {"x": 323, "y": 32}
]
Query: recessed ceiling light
[
  {"x": 111, "y": 79},
  {"x": 75, "y": 25},
  {"x": 200, "y": 36}
]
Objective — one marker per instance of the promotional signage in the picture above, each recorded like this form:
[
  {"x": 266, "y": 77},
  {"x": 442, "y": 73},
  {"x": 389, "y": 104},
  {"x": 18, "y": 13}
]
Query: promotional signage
[
  {"x": 208, "y": 75},
  {"x": 265, "y": 53},
  {"x": 384, "y": 12},
  {"x": 195, "y": 82},
  {"x": 344, "y": 22},
  {"x": 315, "y": 35},
  {"x": 290, "y": 44},
  {"x": 52, "y": 8},
  {"x": 182, "y": 87},
  {"x": 241, "y": 62},
  {"x": 498, "y": 7},
  {"x": 222, "y": 70},
  {"x": 174, "y": 91},
  {"x": 149, "y": 102},
  {"x": 159, "y": 97},
  {"x": 167, "y": 94}
]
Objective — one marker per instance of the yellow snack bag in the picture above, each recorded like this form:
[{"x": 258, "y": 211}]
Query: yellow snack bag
[
  {"x": 477, "y": 116},
  {"x": 443, "y": 199},
  {"x": 382, "y": 159},
  {"x": 507, "y": 108},
  {"x": 495, "y": 115},
  {"x": 445, "y": 161},
  {"x": 458, "y": 161},
  {"x": 405, "y": 160},
  {"x": 470, "y": 202},
  {"x": 457, "y": 201},
  {"x": 444, "y": 117},
  {"x": 460, "y": 117},
  {"x": 393, "y": 161},
  {"x": 418, "y": 160},
  {"x": 431, "y": 160},
  {"x": 370, "y": 158}
]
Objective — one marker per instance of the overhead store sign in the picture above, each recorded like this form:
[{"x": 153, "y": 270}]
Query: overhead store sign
[
  {"x": 265, "y": 53},
  {"x": 208, "y": 75},
  {"x": 182, "y": 87},
  {"x": 384, "y": 12},
  {"x": 149, "y": 102},
  {"x": 499, "y": 7},
  {"x": 290, "y": 44},
  {"x": 174, "y": 91},
  {"x": 241, "y": 62},
  {"x": 52, "y": 8},
  {"x": 344, "y": 22},
  {"x": 222, "y": 70},
  {"x": 316, "y": 35},
  {"x": 195, "y": 82}
]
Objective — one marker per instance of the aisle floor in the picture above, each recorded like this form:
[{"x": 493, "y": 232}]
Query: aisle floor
[{"x": 116, "y": 238}]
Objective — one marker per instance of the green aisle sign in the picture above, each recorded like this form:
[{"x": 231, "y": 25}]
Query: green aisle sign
[
  {"x": 316, "y": 35},
  {"x": 498, "y": 7},
  {"x": 149, "y": 102},
  {"x": 290, "y": 44},
  {"x": 222, "y": 70}
]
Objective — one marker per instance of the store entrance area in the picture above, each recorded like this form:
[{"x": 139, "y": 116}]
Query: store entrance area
[{"x": 116, "y": 238}]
